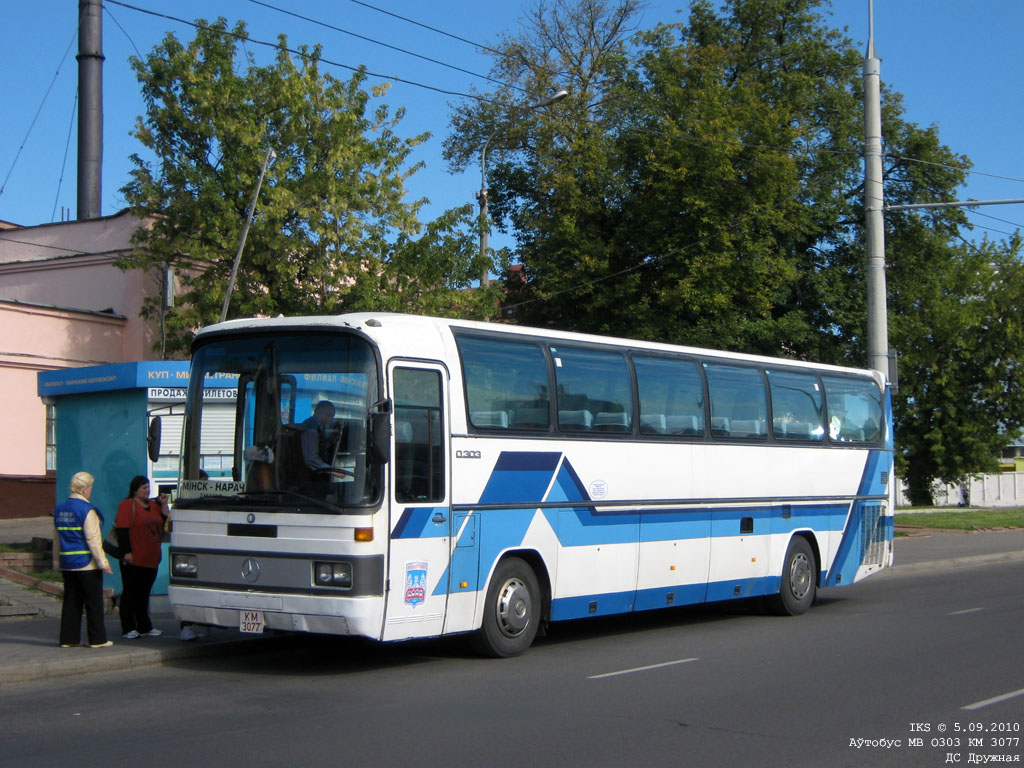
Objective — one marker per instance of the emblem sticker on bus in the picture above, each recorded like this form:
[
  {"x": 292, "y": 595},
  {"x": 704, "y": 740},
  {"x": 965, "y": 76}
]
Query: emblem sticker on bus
[{"x": 415, "y": 583}]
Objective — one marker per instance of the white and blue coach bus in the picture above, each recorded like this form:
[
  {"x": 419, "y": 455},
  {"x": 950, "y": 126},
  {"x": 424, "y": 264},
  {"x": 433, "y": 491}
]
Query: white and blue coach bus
[{"x": 397, "y": 477}]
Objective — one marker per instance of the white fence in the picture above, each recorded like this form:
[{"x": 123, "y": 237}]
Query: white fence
[{"x": 1005, "y": 489}]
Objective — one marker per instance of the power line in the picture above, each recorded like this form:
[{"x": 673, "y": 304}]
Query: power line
[
  {"x": 40, "y": 109},
  {"x": 300, "y": 54},
  {"x": 386, "y": 45},
  {"x": 646, "y": 263},
  {"x": 946, "y": 166},
  {"x": 64, "y": 162},
  {"x": 481, "y": 46},
  {"x": 106, "y": 10}
]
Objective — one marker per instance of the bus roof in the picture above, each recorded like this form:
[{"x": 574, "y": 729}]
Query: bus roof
[{"x": 385, "y": 327}]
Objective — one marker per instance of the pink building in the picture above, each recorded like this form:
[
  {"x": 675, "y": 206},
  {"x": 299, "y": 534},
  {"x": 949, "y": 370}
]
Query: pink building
[{"x": 63, "y": 304}]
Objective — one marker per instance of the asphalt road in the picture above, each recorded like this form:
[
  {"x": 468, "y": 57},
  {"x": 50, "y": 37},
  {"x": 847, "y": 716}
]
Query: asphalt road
[{"x": 709, "y": 686}]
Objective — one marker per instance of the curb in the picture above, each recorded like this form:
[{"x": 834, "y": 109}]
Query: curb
[
  {"x": 30, "y": 581},
  {"x": 957, "y": 562}
]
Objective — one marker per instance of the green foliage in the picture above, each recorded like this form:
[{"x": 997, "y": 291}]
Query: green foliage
[
  {"x": 332, "y": 231},
  {"x": 703, "y": 185}
]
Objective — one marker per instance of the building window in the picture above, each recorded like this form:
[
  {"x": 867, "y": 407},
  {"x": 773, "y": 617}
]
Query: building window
[{"x": 51, "y": 438}]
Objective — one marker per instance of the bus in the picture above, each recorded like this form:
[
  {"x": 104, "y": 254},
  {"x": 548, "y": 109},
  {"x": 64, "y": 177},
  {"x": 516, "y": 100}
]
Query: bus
[{"x": 392, "y": 477}]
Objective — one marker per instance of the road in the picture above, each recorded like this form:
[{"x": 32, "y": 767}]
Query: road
[{"x": 711, "y": 686}]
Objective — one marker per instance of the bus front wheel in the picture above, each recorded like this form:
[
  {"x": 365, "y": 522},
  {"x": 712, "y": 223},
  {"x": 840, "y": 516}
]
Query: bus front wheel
[
  {"x": 799, "y": 580},
  {"x": 512, "y": 611}
]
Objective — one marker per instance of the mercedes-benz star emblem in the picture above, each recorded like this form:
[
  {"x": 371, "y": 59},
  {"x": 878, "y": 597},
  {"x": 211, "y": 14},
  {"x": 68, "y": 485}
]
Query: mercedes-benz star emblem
[{"x": 250, "y": 570}]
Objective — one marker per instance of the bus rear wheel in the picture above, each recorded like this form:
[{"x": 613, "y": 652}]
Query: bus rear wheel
[
  {"x": 799, "y": 580},
  {"x": 511, "y": 612}
]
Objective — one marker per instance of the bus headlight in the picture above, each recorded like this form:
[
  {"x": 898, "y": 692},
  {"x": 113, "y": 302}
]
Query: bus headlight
[
  {"x": 184, "y": 565},
  {"x": 333, "y": 575}
]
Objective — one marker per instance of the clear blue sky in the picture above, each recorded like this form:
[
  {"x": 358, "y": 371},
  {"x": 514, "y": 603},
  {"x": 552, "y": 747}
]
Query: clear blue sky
[{"x": 958, "y": 64}]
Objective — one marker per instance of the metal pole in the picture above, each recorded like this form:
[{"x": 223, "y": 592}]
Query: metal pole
[
  {"x": 874, "y": 202},
  {"x": 245, "y": 233},
  {"x": 90, "y": 108},
  {"x": 485, "y": 278},
  {"x": 953, "y": 204}
]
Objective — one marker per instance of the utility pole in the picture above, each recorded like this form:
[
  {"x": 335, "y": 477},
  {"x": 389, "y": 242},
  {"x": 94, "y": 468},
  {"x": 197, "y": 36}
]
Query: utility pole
[
  {"x": 90, "y": 108},
  {"x": 485, "y": 278},
  {"x": 874, "y": 204}
]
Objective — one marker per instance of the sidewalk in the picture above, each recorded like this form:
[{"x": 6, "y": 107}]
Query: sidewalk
[{"x": 30, "y": 650}]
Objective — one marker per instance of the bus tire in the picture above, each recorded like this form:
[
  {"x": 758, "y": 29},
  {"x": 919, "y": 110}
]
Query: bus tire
[
  {"x": 511, "y": 612},
  {"x": 799, "y": 580}
]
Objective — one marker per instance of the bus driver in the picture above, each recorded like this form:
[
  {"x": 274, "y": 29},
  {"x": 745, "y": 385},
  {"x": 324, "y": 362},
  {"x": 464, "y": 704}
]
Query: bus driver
[{"x": 320, "y": 436}]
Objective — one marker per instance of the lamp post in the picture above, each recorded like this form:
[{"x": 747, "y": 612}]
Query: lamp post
[{"x": 481, "y": 196}]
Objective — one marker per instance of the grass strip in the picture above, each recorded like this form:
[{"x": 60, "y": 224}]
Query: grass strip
[{"x": 967, "y": 520}]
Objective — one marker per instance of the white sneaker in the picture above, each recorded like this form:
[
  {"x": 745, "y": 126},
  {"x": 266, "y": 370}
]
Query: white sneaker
[
  {"x": 131, "y": 635},
  {"x": 154, "y": 632},
  {"x": 187, "y": 633}
]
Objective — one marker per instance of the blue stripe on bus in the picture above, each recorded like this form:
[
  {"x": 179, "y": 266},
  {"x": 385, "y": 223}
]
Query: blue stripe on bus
[
  {"x": 522, "y": 478},
  {"x": 659, "y": 597},
  {"x": 580, "y": 607},
  {"x": 604, "y": 604},
  {"x": 417, "y": 523},
  {"x": 848, "y": 557}
]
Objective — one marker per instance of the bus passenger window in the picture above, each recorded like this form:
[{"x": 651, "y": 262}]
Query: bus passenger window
[
  {"x": 506, "y": 384},
  {"x": 739, "y": 408},
  {"x": 594, "y": 394},
  {"x": 671, "y": 396},
  {"x": 419, "y": 458},
  {"x": 796, "y": 406},
  {"x": 855, "y": 412}
]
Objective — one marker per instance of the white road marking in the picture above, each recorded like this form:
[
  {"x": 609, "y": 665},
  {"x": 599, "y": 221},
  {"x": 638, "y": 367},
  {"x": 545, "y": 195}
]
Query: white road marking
[
  {"x": 967, "y": 610},
  {"x": 640, "y": 669},
  {"x": 994, "y": 700}
]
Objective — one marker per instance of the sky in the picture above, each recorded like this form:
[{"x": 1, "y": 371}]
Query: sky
[{"x": 958, "y": 64}]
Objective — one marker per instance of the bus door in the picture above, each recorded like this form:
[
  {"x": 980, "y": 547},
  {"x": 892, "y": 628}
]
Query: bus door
[{"x": 419, "y": 499}]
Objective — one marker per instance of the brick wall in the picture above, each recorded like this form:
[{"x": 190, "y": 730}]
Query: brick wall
[{"x": 29, "y": 562}]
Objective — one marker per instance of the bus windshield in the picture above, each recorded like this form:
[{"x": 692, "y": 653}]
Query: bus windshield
[{"x": 280, "y": 421}]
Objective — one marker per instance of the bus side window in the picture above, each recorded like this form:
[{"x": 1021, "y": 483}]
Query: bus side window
[
  {"x": 506, "y": 384},
  {"x": 594, "y": 393},
  {"x": 855, "y": 412},
  {"x": 739, "y": 407},
  {"x": 419, "y": 458},
  {"x": 796, "y": 406},
  {"x": 671, "y": 396}
]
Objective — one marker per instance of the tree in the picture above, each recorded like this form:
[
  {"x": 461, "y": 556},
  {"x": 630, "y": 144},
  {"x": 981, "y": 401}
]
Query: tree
[
  {"x": 332, "y": 231},
  {"x": 703, "y": 185}
]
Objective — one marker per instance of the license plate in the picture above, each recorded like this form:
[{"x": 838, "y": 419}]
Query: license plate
[{"x": 251, "y": 622}]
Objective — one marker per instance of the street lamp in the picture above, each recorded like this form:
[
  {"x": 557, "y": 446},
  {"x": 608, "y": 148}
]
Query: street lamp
[
  {"x": 271, "y": 154},
  {"x": 481, "y": 196}
]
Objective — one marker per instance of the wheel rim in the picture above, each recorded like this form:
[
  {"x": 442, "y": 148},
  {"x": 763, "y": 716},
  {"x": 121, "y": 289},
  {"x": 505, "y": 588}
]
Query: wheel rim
[
  {"x": 800, "y": 576},
  {"x": 514, "y": 607}
]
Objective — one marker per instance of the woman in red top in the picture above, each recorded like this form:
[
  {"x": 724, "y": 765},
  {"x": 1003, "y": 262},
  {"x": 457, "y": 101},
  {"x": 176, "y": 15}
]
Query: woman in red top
[{"x": 140, "y": 527}]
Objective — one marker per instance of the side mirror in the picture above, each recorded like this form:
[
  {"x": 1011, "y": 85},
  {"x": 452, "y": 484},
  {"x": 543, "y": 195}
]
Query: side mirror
[
  {"x": 153, "y": 438},
  {"x": 380, "y": 433}
]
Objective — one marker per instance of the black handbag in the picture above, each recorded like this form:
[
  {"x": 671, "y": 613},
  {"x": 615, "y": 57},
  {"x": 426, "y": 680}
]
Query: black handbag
[{"x": 110, "y": 545}]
